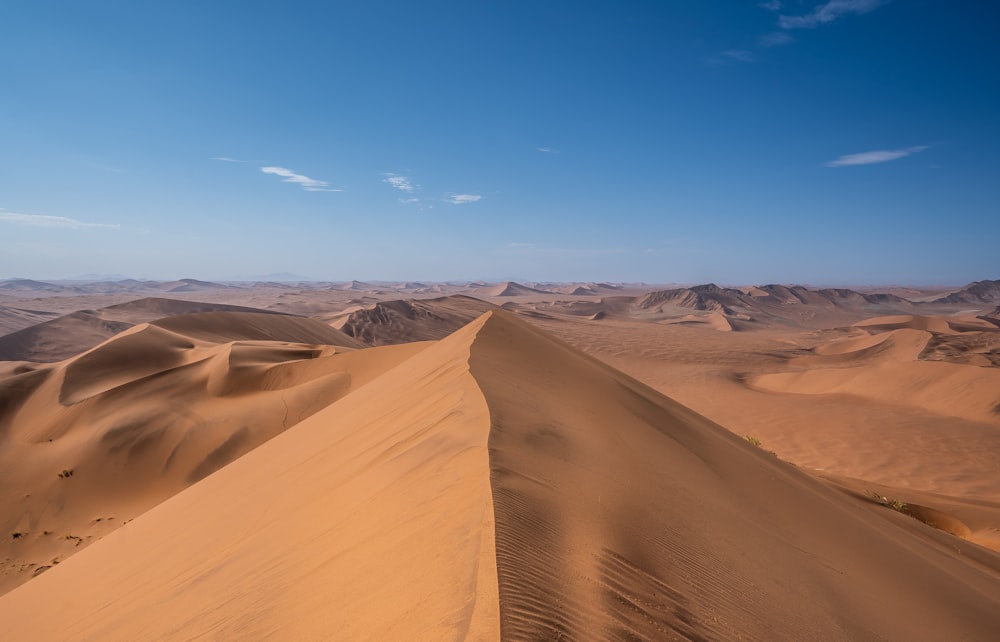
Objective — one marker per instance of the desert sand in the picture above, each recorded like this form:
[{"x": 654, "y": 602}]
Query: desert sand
[{"x": 499, "y": 461}]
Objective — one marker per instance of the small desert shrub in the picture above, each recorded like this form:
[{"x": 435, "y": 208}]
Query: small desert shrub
[
  {"x": 894, "y": 504},
  {"x": 753, "y": 441},
  {"x": 67, "y": 472},
  {"x": 17, "y": 535}
]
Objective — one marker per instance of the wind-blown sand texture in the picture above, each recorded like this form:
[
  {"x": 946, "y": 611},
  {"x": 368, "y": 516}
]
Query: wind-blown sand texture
[{"x": 500, "y": 483}]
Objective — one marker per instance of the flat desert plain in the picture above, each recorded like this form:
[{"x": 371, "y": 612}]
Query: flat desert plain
[{"x": 517, "y": 461}]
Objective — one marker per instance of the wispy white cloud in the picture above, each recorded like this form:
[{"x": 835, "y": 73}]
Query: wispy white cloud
[
  {"x": 547, "y": 150},
  {"x": 227, "y": 159},
  {"x": 739, "y": 55},
  {"x": 774, "y": 39},
  {"x": 773, "y": 5},
  {"x": 306, "y": 183},
  {"x": 879, "y": 156},
  {"x": 828, "y": 12},
  {"x": 43, "y": 220},
  {"x": 462, "y": 199},
  {"x": 408, "y": 201},
  {"x": 402, "y": 183}
]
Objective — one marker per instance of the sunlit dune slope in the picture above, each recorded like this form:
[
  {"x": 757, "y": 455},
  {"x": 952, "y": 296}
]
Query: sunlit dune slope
[
  {"x": 501, "y": 485},
  {"x": 95, "y": 440},
  {"x": 933, "y": 363},
  {"x": 374, "y": 521}
]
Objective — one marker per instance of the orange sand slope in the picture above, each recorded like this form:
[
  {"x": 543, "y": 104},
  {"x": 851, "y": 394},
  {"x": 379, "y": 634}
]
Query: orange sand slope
[
  {"x": 100, "y": 438},
  {"x": 499, "y": 484},
  {"x": 928, "y": 362}
]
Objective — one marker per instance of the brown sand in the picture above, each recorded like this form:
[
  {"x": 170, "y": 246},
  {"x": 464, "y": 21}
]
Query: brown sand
[
  {"x": 381, "y": 509},
  {"x": 500, "y": 484},
  {"x": 69, "y": 335},
  {"x": 13, "y": 319},
  {"x": 96, "y": 440},
  {"x": 401, "y": 321}
]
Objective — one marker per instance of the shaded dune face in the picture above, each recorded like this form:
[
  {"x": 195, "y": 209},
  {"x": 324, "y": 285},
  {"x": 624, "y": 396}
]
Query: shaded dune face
[
  {"x": 71, "y": 334},
  {"x": 499, "y": 484},
  {"x": 622, "y": 515}
]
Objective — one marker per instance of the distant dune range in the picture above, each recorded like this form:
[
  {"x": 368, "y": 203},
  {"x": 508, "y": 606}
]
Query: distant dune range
[
  {"x": 975, "y": 293},
  {"x": 13, "y": 319},
  {"x": 723, "y": 309},
  {"x": 402, "y": 321},
  {"x": 191, "y": 469},
  {"x": 496, "y": 484},
  {"x": 69, "y": 335},
  {"x": 897, "y": 364},
  {"x": 104, "y": 287}
]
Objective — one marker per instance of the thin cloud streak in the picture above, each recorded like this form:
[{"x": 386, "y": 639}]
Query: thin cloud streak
[
  {"x": 463, "y": 199},
  {"x": 739, "y": 55},
  {"x": 306, "y": 183},
  {"x": 43, "y": 220},
  {"x": 879, "y": 156},
  {"x": 774, "y": 39},
  {"x": 828, "y": 12},
  {"x": 226, "y": 159},
  {"x": 547, "y": 150}
]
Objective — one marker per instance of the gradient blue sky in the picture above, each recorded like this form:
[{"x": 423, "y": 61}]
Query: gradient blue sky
[{"x": 833, "y": 142}]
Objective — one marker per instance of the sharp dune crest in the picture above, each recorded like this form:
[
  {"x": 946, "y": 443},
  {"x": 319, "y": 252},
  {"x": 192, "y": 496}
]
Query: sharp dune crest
[
  {"x": 499, "y": 484},
  {"x": 509, "y": 288},
  {"x": 623, "y": 515},
  {"x": 372, "y": 519}
]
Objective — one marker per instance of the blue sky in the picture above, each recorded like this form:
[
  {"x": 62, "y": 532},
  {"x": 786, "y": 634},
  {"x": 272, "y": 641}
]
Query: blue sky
[{"x": 832, "y": 142}]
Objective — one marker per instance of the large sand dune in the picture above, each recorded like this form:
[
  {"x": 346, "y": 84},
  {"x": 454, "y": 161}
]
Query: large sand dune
[
  {"x": 498, "y": 484},
  {"x": 100, "y": 438},
  {"x": 508, "y": 288}
]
